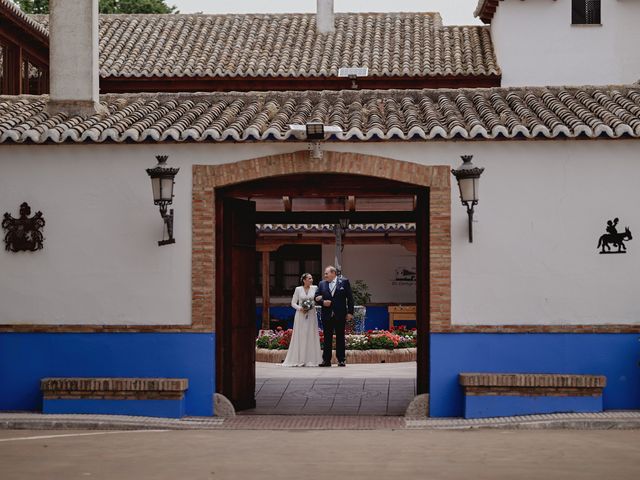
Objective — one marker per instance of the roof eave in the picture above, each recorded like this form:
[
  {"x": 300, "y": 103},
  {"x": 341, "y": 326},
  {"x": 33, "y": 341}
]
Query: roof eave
[
  {"x": 18, "y": 17},
  {"x": 486, "y": 9}
]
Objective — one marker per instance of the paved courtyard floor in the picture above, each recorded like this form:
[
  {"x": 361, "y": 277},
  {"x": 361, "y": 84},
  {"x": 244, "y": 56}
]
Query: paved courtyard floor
[
  {"x": 359, "y": 389},
  {"x": 374, "y": 454}
]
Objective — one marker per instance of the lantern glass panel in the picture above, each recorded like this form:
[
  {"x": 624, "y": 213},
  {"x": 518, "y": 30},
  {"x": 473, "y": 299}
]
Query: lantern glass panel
[
  {"x": 468, "y": 189},
  {"x": 167, "y": 189},
  {"x": 155, "y": 186}
]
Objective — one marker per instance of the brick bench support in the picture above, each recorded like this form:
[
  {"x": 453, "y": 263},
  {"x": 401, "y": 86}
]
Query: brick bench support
[
  {"x": 507, "y": 394},
  {"x": 150, "y": 397}
]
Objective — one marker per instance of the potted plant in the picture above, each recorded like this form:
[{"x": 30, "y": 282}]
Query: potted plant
[{"x": 361, "y": 297}]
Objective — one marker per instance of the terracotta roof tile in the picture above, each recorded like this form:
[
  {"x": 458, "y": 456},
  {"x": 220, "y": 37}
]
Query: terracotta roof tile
[
  {"x": 570, "y": 112},
  {"x": 287, "y": 45}
]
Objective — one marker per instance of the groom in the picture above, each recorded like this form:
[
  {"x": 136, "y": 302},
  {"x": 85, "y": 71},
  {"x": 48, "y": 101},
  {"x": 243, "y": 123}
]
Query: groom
[{"x": 335, "y": 296}]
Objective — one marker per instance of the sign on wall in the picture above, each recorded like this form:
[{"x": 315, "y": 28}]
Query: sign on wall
[
  {"x": 613, "y": 241},
  {"x": 23, "y": 233},
  {"x": 405, "y": 271}
]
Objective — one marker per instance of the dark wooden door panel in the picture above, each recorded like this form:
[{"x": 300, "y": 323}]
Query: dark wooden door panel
[
  {"x": 235, "y": 313},
  {"x": 423, "y": 293}
]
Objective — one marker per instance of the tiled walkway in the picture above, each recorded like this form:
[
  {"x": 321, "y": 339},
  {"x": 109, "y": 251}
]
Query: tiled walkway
[
  {"x": 358, "y": 389},
  {"x": 333, "y": 396}
]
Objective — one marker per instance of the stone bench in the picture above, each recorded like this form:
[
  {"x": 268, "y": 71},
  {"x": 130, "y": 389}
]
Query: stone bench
[
  {"x": 151, "y": 397},
  {"x": 507, "y": 394}
]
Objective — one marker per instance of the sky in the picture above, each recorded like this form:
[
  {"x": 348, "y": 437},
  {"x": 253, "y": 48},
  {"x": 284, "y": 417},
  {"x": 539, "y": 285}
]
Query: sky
[{"x": 454, "y": 12}]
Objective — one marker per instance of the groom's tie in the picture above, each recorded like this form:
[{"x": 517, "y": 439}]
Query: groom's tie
[{"x": 332, "y": 287}]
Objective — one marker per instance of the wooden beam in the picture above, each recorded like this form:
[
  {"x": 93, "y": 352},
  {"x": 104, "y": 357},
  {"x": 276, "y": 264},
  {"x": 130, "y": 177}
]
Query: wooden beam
[
  {"x": 325, "y": 185},
  {"x": 270, "y": 243},
  {"x": 245, "y": 84},
  {"x": 268, "y": 247},
  {"x": 409, "y": 245},
  {"x": 286, "y": 201},
  {"x": 13, "y": 81},
  {"x": 351, "y": 203},
  {"x": 329, "y": 217},
  {"x": 266, "y": 300}
]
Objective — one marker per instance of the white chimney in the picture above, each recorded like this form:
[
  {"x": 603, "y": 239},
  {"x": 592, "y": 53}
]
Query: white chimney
[
  {"x": 325, "y": 17},
  {"x": 73, "y": 57}
]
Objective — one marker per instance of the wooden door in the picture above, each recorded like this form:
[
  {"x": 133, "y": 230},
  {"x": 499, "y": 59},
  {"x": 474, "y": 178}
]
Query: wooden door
[
  {"x": 236, "y": 301},
  {"x": 423, "y": 315}
]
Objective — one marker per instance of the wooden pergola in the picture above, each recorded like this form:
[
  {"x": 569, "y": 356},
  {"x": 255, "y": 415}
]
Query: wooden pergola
[{"x": 24, "y": 55}]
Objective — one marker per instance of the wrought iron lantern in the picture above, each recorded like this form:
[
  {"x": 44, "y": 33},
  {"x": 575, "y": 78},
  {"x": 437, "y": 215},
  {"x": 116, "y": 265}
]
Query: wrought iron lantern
[
  {"x": 162, "y": 183},
  {"x": 468, "y": 177}
]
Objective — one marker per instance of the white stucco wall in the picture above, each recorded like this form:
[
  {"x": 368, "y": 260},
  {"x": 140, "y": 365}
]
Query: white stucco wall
[
  {"x": 536, "y": 44},
  {"x": 534, "y": 260},
  {"x": 376, "y": 266}
]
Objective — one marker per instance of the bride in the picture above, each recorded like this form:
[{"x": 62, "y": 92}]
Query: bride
[{"x": 304, "y": 349}]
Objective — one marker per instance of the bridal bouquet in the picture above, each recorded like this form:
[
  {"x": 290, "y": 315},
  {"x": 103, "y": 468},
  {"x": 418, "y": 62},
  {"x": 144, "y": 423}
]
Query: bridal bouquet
[{"x": 307, "y": 304}]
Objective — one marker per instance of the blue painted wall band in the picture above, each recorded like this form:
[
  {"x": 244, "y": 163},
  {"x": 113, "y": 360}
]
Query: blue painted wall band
[
  {"x": 143, "y": 408},
  {"x": 480, "y": 406},
  {"x": 25, "y": 358},
  {"x": 614, "y": 355}
]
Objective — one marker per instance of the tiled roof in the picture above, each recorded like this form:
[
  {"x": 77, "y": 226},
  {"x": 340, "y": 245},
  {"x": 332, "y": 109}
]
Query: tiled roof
[
  {"x": 12, "y": 10},
  {"x": 328, "y": 228},
  {"x": 608, "y": 111},
  {"x": 287, "y": 45}
]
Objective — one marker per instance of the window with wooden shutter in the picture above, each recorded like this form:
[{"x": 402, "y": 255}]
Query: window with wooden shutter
[
  {"x": 586, "y": 12},
  {"x": 286, "y": 265}
]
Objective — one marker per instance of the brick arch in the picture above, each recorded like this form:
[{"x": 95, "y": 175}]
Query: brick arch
[{"x": 206, "y": 178}]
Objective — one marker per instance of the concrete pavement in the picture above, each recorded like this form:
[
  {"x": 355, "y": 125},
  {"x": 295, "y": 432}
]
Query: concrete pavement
[{"x": 438, "y": 455}]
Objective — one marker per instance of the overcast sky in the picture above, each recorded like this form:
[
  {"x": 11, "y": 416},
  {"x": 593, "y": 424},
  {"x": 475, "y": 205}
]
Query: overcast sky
[{"x": 454, "y": 12}]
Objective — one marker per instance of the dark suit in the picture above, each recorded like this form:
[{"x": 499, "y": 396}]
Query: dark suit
[{"x": 334, "y": 317}]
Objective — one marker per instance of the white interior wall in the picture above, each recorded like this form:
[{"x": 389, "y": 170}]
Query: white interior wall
[{"x": 376, "y": 265}]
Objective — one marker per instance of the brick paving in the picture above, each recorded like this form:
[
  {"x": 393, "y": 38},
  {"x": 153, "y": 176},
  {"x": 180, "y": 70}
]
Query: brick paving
[{"x": 593, "y": 421}]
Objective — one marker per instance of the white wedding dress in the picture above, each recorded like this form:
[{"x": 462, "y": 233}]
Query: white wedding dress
[{"x": 304, "y": 349}]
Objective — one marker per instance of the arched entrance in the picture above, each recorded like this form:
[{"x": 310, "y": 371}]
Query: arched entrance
[{"x": 225, "y": 216}]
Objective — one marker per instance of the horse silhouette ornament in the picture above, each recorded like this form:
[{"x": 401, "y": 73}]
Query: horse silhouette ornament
[{"x": 613, "y": 238}]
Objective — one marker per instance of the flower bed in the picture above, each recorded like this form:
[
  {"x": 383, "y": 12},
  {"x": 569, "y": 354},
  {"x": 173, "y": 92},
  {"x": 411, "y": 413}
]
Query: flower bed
[
  {"x": 372, "y": 340},
  {"x": 374, "y": 346},
  {"x": 353, "y": 356}
]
